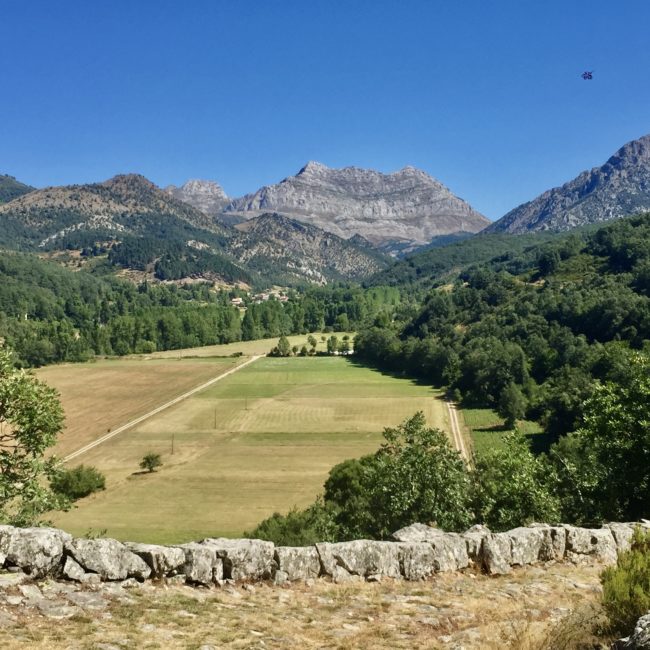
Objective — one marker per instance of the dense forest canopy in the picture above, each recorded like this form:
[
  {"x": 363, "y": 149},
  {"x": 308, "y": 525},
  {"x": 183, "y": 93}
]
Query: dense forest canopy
[
  {"x": 532, "y": 331},
  {"x": 49, "y": 313}
]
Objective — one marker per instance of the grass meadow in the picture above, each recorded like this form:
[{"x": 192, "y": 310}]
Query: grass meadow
[
  {"x": 486, "y": 429},
  {"x": 261, "y": 440}
]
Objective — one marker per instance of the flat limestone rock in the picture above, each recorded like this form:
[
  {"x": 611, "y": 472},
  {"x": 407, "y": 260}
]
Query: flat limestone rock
[
  {"x": 622, "y": 534},
  {"x": 474, "y": 537},
  {"x": 496, "y": 554},
  {"x": 38, "y": 551},
  {"x": 298, "y": 562},
  {"x": 201, "y": 566},
  {"x": 361, "y": 557},
  {"x": 450, "y": 552},
  {"x": 162, "y": 560},
  {"x": 417, "y": 560},
  {"x": 244, "y": 559},
  {"x": 598, "y": 542},
  {"x": 526, "y": 545},
  {"x": 108, "y": 558}
]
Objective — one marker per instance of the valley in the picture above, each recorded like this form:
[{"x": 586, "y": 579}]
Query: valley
[{"x": 262, "y": 440}]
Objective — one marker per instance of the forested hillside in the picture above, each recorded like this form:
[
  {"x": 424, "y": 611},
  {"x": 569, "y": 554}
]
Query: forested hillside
[
  {"x": 10, "y": 188},
  {"x": 49, "y": 313},
  {"x": 558, "y": 333},
  {"x": 436, "y": 263},
  {"x": 531, "y": 333}
]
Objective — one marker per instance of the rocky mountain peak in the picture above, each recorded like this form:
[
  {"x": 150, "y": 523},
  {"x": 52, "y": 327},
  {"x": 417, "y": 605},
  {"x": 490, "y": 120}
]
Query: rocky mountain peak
[
  {"x": 312, "y": 167},
  {"x": 620, "y": 187},
  {"x": 129, "y": 182},
  {"x": 206, "y": 196},
  {"x": 407, "y": 208}
]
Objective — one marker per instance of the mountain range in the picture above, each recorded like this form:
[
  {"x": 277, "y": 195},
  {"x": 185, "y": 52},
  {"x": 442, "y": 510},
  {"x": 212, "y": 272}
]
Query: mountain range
[
  {"x": 618, "y": 188},
  {"x": 321, "y": 225},
  {"x": 138, "y": 226},
  {"x": 398, "y": 211}
]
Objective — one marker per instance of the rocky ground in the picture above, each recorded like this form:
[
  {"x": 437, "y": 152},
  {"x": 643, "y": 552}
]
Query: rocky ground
[{"x": 545, "y": 606}]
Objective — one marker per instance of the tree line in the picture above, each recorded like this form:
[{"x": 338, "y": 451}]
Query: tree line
[
  {"x": 533, "y": 334},
  {"x": 50, "y": 314}
]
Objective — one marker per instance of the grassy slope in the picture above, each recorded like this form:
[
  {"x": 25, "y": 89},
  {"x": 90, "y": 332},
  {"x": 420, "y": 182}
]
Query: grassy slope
[{"x": 263, "y": 440}]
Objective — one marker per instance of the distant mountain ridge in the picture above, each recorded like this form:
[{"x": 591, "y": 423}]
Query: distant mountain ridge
[
  {"x": 618, "y": 188},
  {"x": 117, "y": 205},
  {"x": 148, "y": 230},
  {"x": 402, "y": 210},
  {"x": 302, "y": 251},
  {"x": 11, "y": 189}
]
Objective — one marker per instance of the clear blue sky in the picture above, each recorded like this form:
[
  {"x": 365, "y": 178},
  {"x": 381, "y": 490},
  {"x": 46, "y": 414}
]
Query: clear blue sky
[{"x": 485, "y": 96}]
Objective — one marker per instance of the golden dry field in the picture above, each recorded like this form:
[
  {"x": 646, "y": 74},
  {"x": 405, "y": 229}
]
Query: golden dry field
[{"x": 261, "y": 440}]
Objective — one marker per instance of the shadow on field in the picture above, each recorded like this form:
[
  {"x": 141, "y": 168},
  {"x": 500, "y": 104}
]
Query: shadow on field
[{"x": 390, "y": 373}]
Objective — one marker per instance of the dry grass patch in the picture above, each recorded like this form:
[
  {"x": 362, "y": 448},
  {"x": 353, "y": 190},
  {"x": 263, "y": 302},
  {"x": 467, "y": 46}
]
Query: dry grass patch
[
  {"x": 262, "y": 440},
  {"x": 524, "y": 611},
  {"x": 104, "y": 395}
]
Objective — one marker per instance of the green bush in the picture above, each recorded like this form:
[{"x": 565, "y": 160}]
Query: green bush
[
  {"x": 626, "y": 587},
  {"x": 150, "y": 462},
  {"x": 78, "y": 482},
  {"x": 298, "y": 527}
]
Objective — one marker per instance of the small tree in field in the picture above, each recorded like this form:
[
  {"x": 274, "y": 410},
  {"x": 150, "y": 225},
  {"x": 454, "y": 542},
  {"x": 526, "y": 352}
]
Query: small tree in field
[{"x": 151, "y": 462}]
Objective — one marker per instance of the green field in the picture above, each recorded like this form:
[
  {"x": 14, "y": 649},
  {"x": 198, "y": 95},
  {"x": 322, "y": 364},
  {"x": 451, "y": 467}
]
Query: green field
[
  {"x": 247, "y": 348},
  {"x": 486, "y": 429},
  {"x": 259, "y": 441}
]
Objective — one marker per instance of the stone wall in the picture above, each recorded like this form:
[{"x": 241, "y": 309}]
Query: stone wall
[{"x": 417, "y": 552}]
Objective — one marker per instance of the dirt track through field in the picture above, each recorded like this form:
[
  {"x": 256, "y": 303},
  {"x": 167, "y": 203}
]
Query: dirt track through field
[
  {"x": 456, "y": 433},
  {"x": 157, "y": 410}
]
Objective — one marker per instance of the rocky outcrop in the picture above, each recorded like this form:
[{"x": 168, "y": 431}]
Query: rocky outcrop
[
  {"x": 301, "y": 251},
  {"x": 206, "y": 196},
  {"x": 297, "y": 562},
  {"x": 418, "y": 552},
  {"x": 108, "y": 558},
  {"x": 639, "y": 639},
  {"x": 619, "y": 188},
  {"x": 407, "y": 208},
  {"x": 244, "y": 559},
  {"x": 37, "y": 551}
]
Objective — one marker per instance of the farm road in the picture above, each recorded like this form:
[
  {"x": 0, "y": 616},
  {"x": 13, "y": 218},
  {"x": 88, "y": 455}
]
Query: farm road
[
  {"x": 457, "y": 435},
  {"x": 157, "y": 410}
]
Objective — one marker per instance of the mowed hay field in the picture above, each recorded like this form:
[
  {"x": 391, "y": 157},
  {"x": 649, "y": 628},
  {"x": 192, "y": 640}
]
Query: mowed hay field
[
  {"x": 103, "y": 395},
  {"x": 261, "y": 440}
]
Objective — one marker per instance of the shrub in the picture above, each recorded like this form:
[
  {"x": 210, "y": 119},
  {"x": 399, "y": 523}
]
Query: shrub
[
  {"x": 151, "y": 461},
  {"x": 626, "y": 587},
  {"x": 78, "y": 482},
  {"x": 298, "y": 527}
]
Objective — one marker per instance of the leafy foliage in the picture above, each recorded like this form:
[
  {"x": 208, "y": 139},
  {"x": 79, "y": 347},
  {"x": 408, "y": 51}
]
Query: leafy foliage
[
  {"x": 533, "y": 331},
  {"x": 78, "y": 482},
  {"x": 151, "y": 462},
  {"x": 298, "y": 527},
  {"x": 607, "y": 461},
  {"x": 31, "y": 418},
  {"x": 414, "y": 476},
  {"x": 626, "y": 587},
  {"x": 512, "y": 487}
]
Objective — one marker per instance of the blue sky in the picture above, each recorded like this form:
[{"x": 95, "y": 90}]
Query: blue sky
[{"x": 485, "y": 96}]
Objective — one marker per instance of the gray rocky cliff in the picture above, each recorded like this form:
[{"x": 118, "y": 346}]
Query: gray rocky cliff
[
  {"x": 406, "y": 207},
  {"x": 206, "y": 196},
  {"x": 618, "y": 188}
]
